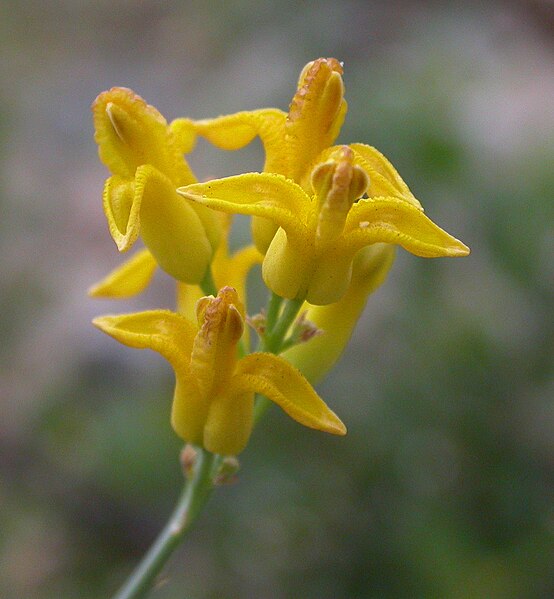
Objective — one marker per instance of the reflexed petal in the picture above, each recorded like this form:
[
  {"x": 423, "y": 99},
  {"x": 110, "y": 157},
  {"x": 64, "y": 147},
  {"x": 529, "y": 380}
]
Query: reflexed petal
[
  {"x": 132, "y": 277},
  {"x": 172, "y": 336},
  {"x": 283, "y": 384},
  {"x": 234, "y": 131},
  {"x": 170, "y": 227},
  {"x": 165, "y": 332},
  {"x": 384, "y": 179},
  {"x": 259, "y": 194},
  {"x": 129, "y": 132},
  {"x": 391, "y": 220}
]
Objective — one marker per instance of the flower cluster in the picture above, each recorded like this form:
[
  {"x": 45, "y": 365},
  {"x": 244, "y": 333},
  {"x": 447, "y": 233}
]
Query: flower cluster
[{"x": 326, "y": 220}]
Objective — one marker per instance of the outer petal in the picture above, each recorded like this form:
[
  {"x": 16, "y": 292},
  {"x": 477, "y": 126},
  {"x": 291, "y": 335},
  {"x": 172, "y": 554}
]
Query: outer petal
[
  {"x": 172, "y": 336},
  {"x": 280, "y": 382},
  {"x": 165, "y": 332},
  {"x": 129, "y": 132},
  {"x": 316, "y": 357},
  {"x": 132, "y": 277},
  {"x": 392, "y": 220},
  {"x": 184, "y": 135},
  {"x": 170, "y": 227},
  {"x": 234, "y": 131},
  {"x": 259, "y": 194}
]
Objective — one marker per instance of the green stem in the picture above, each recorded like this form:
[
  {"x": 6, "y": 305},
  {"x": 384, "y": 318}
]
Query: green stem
[
  {"x": 275, "y": 337},
  {"x": 195, "y": 494},
  {"x": 273, "y": 307},
  {"x": 207, "y": 284}
]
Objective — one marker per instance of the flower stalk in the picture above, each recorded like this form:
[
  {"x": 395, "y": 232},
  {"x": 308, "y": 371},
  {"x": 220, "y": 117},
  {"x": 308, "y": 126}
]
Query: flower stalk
[{"x": 193, "y": 498}]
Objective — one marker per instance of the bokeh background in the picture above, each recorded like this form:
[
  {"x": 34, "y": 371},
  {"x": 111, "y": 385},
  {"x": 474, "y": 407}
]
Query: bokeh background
[{"x": 444, "y": 487}]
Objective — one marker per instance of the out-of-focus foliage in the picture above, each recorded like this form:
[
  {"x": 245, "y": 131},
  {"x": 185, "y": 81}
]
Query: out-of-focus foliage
[{"x": 443, "y": 486}]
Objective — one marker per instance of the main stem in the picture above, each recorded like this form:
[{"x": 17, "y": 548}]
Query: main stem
[{"x": 195, "y": 494}]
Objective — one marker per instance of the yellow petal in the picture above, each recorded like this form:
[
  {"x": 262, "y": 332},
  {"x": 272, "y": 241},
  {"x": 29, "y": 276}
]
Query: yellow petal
[
  {"x": 132, "y": 277},
  {"x": 165, "y": 332},
  {"x": 262, "y": 194},
  {"x": 283, "y": 384},
  {"x": 129, "y": 132},
  {"x": 337, "y": 320},
  {"x": 172, "y": 336},
  {"x": 122, "y": 209},
  {"x": 234, "y": 131},
  {"x": 316, "y": 113},
  {"x": 229, "y": 422},
  {"x": 383, "y": 177},
  {"x": 170, "y": 227},
  {"x": 288, "y": 265},
  {"x": 184, "y": 134},
  {"x": 391, "y": 220}
]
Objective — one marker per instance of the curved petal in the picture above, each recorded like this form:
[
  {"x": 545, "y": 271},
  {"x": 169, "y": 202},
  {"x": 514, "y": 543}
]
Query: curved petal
[
  {"x": 283, "y": 384},
  {"x": 170, "y": 227},
  {"x": 316, "y": 113},
  {"x": 184, "y": 135},
  {"x": 392, "y": 220},
  {"x": 384, "y": 179},
  {"x": 259, "y": 194},
  {"x": 165, "y": 332},
  {"x": 129, "y": 132},
  {"x": 122, "y": 209},
  {"x": 234, "y": 131},
  {"x": 128, "y": 279}
]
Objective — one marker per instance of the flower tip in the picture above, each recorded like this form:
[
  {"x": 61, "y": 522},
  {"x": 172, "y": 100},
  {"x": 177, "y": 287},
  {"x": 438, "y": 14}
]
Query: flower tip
[
  {"x": 95, "y": 291},
  {"x": 459, "y": 250},
  {"x": 336, "y": 426},
  {"x": 104, "y": 323}
]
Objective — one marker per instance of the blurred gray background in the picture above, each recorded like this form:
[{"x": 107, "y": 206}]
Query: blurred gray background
[{"x": 444, "y": 486}]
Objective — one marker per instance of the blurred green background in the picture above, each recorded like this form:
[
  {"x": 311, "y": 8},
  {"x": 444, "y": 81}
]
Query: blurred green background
[{"x": 444, "y": 486}]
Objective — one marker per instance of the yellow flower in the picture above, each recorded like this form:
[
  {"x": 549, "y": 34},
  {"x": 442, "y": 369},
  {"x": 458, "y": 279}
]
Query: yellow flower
[
  {"x": 337, "y": 321},
  {"x": 312, "y": 252},
  {"x": 214, "y": 392},
  {"x": 292, "y": 141},
  {"x": 145, "y": 157}
]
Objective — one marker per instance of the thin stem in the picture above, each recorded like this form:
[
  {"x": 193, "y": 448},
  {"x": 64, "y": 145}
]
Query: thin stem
[
  {"x": 274, "y": 338},
  {"x": 273, "y": 307},
  {"x": 195, "y": 494}
]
